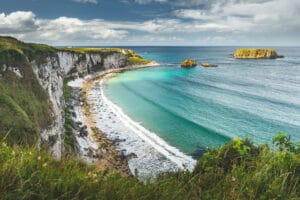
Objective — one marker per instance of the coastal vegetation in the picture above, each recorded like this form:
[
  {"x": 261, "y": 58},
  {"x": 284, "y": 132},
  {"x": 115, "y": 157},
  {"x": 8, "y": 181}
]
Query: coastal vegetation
[
  {"x": 253, "y": 53},
  {"x": 15, "y": 52},
  {"x": 188, "y": 63},
  {"x": 24, "y": 105},
  {"x": 84, "y": 50},
  {"x": 237, "y": 170},
  {"x": 136, "y": 59},
  {"x": 69, "y": 138}
]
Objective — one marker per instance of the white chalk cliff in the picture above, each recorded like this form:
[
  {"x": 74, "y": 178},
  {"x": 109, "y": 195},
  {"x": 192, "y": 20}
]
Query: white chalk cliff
[{"x": 51, "y": 74}]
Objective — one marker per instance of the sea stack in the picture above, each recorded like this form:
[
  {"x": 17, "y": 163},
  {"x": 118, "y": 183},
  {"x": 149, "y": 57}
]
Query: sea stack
[
  {"x": 253, "y": 53},
  {"x": 187, "y": 63}
]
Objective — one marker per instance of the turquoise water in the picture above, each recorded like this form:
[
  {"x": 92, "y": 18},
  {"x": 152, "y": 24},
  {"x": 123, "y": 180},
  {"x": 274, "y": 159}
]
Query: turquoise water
[{"x": 205, "y": 107}]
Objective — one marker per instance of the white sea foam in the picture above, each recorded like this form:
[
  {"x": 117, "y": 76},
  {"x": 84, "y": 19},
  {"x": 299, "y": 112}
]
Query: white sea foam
[
  {"x": 153, "y": 154},
  {"x": 182, "y": 160}
]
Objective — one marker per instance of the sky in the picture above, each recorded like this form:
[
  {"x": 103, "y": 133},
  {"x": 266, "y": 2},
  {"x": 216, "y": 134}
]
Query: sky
[{"x": 153, "y": 22}]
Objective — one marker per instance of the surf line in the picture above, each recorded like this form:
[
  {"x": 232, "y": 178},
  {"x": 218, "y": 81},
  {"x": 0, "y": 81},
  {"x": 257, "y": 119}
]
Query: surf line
[{"x": 182, "y": 160}]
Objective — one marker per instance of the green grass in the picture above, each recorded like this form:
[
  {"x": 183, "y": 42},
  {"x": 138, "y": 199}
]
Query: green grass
[
  {"x": 24, "y": 105},
  {"x": 69, "y": 139},
  {"x": 134, "y": 60},
  {"x": 15, "y": 52},
  {"x": 91, "y": 50},
  {"x": 67, "y": 89},
  {"x": 237, "y": 170},
  {"x": 24, "y": 108}
]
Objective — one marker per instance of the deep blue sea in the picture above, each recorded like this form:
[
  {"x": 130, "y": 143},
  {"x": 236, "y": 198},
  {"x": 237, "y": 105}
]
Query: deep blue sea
[{"x": 201, "y": 107}]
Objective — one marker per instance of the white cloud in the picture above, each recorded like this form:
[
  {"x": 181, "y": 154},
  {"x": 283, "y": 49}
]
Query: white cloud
[
  {"x": 86, "y": 1},
  {"x": 65, "y": 30},
  {"x": 69, "y": 29},
  {"x": 208, "y": 3},
  {"x": 235, "y": 21},
  {"x": 149, "y": 1},
  {"x": 17, "y": 22},
  {"x": 194, "y": 14},
  {"x": 62, "y": 30},
  {"x": 246, "y": 16}
]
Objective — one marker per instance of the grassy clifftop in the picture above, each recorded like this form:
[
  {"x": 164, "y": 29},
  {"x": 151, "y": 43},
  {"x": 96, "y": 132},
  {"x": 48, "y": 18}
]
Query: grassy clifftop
[
  {"x": 84, "y": 50},
  {"x": 24, "y": 105},
  {"x": 15, "y": 52},
  {"x": 237, "y": 170}
]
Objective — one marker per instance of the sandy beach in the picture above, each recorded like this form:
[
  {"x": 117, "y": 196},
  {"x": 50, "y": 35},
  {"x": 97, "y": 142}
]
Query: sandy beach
[{"x": 146, "y": 153}]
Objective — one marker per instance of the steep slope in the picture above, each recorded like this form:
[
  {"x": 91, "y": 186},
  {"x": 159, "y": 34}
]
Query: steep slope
[
  {"x": 24, "y": 106},
  {"x": 31, "y": 87}
]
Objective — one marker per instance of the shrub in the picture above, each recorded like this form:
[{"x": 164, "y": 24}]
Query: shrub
[{"x": 259, "y": 172}]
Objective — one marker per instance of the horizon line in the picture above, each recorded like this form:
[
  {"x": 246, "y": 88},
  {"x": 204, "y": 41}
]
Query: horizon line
[{"x": 97, "y": 46}]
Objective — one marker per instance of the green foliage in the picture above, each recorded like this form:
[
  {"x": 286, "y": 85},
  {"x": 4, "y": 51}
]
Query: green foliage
[
  {"x": 24, "y": 105},
  {"x": 67, "y": 89},
  {"x": 256, "y": 173},
  {"x": 69, "y": 139},
  {"x": 30, "y": 174},
  {"x": 283, "y": 142},
  {"x": 137, "y": 60},
  {"x": 237, "y": 170},
  {"x": 15, "y": 52},
  {"x": 240, "y": 147}
]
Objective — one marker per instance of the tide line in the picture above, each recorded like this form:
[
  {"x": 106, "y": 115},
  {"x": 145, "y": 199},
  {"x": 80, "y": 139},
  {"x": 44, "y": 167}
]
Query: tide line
[{"x": 182, "y": 160}]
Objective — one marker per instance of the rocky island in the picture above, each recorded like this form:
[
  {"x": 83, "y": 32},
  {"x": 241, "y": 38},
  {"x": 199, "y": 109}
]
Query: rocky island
[
  {"x": 208, "y": 65},
  {"x": 188, "y": 63},
  {"x": 253, "y": 53}
]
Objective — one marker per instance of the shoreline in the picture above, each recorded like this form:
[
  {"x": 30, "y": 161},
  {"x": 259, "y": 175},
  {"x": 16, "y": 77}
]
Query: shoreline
[{"x": 145, "y": 152}]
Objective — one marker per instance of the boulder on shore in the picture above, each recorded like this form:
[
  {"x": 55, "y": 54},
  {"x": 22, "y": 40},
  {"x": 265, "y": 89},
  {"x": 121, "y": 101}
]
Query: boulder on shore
[
  {"x": 189, "y": 63},
  {"x": 253, "y": 53}
]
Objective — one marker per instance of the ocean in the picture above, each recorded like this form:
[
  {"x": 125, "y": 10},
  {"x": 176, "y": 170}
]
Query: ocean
[{"x": 199, "y": 108}]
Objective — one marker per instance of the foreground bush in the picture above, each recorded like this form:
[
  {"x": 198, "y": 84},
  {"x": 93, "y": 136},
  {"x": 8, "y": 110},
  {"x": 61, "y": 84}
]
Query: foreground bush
[{"x": 237, "y": 170}]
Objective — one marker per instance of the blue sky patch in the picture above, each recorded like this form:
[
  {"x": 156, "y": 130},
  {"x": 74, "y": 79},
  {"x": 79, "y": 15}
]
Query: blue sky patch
[{"x": 152, "y": 22}]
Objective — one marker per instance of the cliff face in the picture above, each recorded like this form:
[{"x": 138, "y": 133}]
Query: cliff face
[
  {"x": 25, "y": 107},
  {"x": 31, "y": 91},
  {"x": 51, "y": 74},
  {"x": 256, "y": 54},
  {"x": 84, "y": 63}
]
